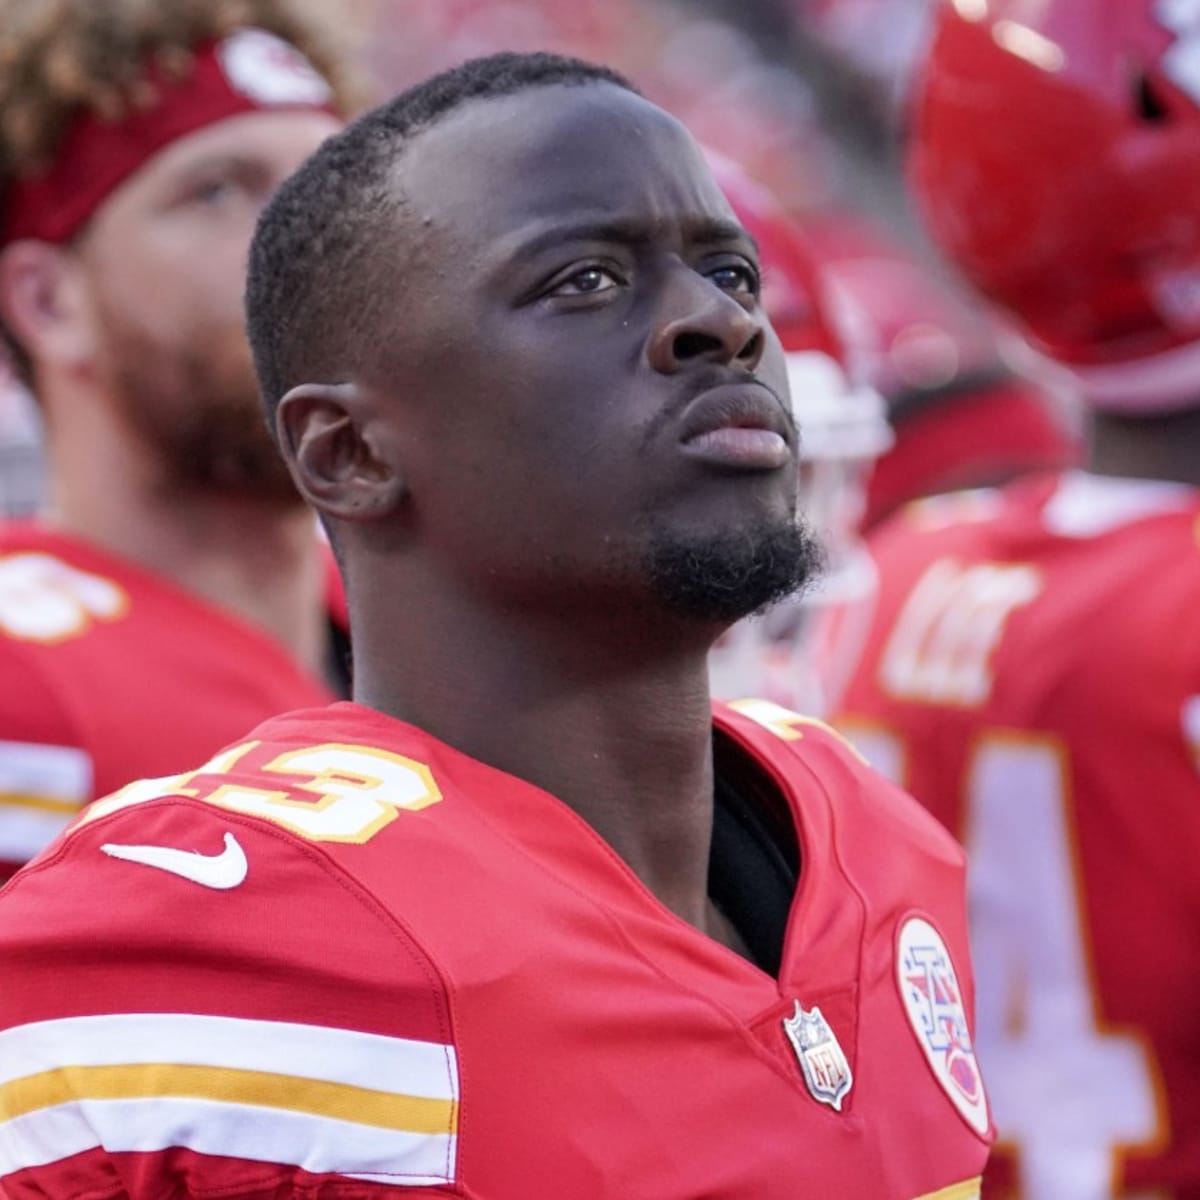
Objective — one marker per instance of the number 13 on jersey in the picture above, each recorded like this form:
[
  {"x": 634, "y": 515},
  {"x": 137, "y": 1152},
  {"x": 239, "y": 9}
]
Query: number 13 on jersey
[{"x": 327, "y": 793}]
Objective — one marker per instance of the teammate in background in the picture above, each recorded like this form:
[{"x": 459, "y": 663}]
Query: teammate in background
[
  {"x": 510, "y": 332},
  {"x": 1033, "y": 674},
  {"x": 138, "y": 142},
  {"x": 843, "y": 430},
  {"x": 962, "y": 415}
]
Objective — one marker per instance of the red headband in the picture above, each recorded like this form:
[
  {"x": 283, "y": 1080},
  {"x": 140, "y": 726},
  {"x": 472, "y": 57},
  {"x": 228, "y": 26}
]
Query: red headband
[{"x": 248, "y": 71}]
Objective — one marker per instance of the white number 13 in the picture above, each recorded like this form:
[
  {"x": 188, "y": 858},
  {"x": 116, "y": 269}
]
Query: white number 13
[{"x": 356, "y": 790}]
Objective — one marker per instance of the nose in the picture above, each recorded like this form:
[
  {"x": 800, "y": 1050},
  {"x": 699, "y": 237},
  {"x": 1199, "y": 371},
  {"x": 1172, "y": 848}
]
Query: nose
[{"x": 699, "y": 322}]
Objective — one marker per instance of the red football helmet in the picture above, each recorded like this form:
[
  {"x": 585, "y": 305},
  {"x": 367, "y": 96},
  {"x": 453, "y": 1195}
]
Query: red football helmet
[
  {"x": 843, "y": 429},
  {"x": 1056, "y": 154},
  {"x": 963, "y": 416}
]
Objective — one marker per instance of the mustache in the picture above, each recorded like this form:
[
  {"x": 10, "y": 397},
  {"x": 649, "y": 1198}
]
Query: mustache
[{"x": 672, "y": 413}]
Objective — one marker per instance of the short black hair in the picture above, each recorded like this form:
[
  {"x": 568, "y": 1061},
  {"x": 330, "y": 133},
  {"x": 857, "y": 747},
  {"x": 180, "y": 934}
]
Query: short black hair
[{"x": 315, "y": 285}]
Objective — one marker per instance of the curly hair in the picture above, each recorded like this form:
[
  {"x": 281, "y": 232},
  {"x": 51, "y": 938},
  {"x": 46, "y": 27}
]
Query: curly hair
[{"x": 58, "y": 57}]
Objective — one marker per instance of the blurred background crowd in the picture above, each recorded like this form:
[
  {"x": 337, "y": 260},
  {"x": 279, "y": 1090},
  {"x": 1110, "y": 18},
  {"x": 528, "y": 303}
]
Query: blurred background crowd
[{"x": 808, "y": 97}]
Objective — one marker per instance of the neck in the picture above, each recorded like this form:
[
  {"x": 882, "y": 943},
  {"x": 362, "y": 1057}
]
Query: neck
[
  {"x": 259, "y": 561},
  {"x": 615, "y": 723},
  {"x": 1158, "y": 447}
]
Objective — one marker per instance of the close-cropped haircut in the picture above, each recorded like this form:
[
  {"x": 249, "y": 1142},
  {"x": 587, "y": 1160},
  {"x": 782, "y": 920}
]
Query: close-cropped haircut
[
  {"x": 318, "y": 276},
  {"x": 61, "y": 57}
]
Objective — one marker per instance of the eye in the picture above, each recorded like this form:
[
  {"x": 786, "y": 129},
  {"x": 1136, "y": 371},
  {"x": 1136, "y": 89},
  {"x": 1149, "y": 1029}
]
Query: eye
[
  {"x": 741, "y": 277},
  {"x": 211, "y": 192},
  {"x": 589, "y": 281}
]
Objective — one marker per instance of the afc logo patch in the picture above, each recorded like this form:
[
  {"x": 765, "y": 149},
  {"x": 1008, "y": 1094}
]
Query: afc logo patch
[{"x": 932, "y": 999}]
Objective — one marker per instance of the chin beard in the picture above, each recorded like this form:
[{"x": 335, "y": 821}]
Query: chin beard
[
  {"x": 226, "y": 452},
  {"x": 199, "y": 414},
  {"x": 723, "y": 577}
]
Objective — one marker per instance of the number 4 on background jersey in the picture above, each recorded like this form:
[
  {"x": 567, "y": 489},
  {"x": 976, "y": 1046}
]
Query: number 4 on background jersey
[
  {"x": 1191, "y": 727},
  {"x": 1182, "y": 60},
  {"x": 1036, "y": 1007}
]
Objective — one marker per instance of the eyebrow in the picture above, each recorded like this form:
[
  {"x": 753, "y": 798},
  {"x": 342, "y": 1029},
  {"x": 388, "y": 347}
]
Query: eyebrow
[
  {"x": 223, "y": 162},
  {"x": 702, "y": 231}
]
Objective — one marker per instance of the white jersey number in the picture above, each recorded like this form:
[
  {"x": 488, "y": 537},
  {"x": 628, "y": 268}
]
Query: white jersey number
[
  {"x": 940, "y": 651},
  {"x": 43, "y": 599},
  {"x": 1182, "y": 60},
  {"x": 355, "y": 790},
  {"x": 1069, "y": 1091}
]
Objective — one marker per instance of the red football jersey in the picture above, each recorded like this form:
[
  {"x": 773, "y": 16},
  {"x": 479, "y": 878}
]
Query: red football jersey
[
  {"x": 344, "y": 960},
  {"x": 88, "y": 644},
  {"x": 1032, "y": 675}
]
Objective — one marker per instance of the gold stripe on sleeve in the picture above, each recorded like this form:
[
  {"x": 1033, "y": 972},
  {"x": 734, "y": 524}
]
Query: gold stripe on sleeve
[
  {"x": 42, "y": 803},
  {"x": 223, "y": 1085},
  {"x": 969, "y": 1189}
]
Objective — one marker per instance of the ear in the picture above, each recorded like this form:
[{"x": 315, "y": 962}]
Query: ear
[
  {"x": 342, "y": 456},
  {"x": 43, "y": 301}
]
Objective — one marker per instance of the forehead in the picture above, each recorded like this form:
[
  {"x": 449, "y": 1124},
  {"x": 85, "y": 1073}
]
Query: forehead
[
  {"x": 505, "y": 168},
  {"x": 279, "y": 140}
]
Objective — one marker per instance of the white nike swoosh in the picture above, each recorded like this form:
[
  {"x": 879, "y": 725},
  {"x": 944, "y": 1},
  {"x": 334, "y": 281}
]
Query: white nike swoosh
[{"x": 221, "y": 871}]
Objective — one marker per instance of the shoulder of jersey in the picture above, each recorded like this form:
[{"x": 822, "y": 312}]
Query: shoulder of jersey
[
  {"x": 337, "y": 790},
  {"x": 970, "y": 513},
  {"x": 198, "y": 977},
  {"x": 268, "y": 853},
  {"x": 955, "y": 510},
  {"x": 813, "y": 754}
]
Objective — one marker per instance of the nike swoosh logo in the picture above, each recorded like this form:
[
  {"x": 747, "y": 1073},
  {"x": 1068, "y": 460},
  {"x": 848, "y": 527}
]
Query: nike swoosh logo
[{"x": 220, "y": 871}]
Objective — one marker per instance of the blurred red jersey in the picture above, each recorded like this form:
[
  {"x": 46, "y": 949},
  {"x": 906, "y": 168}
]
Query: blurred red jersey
[
  {"x": 88, "y": 643},
  {"x": 344, "y": 960},
  {"x": 1032, "y": 675}
]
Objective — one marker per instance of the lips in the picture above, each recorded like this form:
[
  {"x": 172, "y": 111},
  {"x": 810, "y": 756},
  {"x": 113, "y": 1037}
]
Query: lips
[{"x": 741, "y": 426}]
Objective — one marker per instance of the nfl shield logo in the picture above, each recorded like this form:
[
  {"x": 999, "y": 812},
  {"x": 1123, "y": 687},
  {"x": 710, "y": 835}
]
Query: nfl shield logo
[{"x": 825, "y": 1068}]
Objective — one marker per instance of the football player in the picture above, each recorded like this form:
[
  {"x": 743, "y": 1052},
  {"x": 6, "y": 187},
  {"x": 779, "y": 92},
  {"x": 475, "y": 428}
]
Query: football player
[
  {"x": 526, "y": 919},
  {"x": 138, "y": 143},
  {"x": 843, "y": 430},
  {"x": 1033, "y": 672},
  {"x": 962, "y": 414}
]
